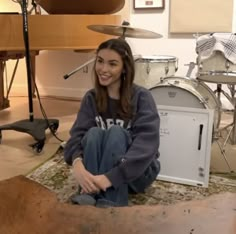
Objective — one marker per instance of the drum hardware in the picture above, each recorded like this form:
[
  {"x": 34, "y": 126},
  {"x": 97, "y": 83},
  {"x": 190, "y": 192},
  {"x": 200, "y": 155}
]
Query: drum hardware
[
  {"x": 232, "y": 91},
  {"x": 190, "y": 68},
  {"x": 232, "y": 132},
  {"x": 176, "y": 65},
  {"x": 220, "y": 91},
  {"x": 231, "y": 135},
  {"x": 79, "y": 68},
  {"x": 148, "y": 69},
  {"x": 166, "y": 70}
]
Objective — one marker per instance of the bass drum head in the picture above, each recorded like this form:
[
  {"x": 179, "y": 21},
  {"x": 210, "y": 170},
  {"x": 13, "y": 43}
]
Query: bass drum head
[{"x": 185, "y": 92}]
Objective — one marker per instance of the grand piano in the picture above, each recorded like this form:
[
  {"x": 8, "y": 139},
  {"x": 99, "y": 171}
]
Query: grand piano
[{"x": 63, "y": 28}]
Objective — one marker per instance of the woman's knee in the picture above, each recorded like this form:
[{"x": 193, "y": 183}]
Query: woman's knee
[
  {"x": 93, "y": 135},
  {"x": 118, "y": 133}
]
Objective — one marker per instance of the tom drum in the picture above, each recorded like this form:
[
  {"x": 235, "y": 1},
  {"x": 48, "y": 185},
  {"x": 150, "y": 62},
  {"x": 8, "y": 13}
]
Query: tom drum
[
  {"x": 150, "y": 69},
  {"x": 216, "y": 69}
]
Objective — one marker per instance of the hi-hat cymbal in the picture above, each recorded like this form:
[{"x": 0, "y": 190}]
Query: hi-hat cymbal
[{"x": 124, "y": 31}]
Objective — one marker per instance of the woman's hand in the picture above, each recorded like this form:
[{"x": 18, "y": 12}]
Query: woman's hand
[
  {"x": 102, "y": 182},
  {"x": 85, "y": 179}
]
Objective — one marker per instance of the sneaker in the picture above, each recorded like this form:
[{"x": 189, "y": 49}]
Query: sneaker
[
  {"x": 103, "y": 203},
  {"x": 83, "y": 199}
]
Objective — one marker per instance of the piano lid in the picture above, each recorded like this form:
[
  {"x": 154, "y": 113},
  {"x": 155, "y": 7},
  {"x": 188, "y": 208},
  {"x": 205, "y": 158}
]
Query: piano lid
[{"x": 81, "y": 6}]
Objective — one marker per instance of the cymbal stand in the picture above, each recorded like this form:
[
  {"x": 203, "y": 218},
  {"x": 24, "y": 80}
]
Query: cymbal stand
[
  {"x": 232, "y": 131},
  {"x": 35, "y": 127},
  {"x": 231, "y": 135},
  {"x": 79, "y": 68},
  {"x": 93, "y": 59}
]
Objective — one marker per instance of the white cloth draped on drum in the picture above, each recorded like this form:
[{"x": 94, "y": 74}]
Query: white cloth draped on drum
[{"x": 224, "y": 42}]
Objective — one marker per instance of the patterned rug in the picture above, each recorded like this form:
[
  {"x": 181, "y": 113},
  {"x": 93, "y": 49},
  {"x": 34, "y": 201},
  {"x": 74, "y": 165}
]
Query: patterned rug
[{"x": 57, "y": 176}]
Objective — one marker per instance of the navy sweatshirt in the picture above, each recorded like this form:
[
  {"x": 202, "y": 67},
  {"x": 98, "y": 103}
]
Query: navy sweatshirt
[{"x": 143, "y": 127}]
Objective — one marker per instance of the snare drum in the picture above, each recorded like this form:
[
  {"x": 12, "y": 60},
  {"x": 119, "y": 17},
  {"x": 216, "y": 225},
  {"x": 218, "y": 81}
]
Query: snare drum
[
  {"x": 216, "y": 69},
  {"x": 186, "y": 92},
  {"x": 149, "y": 70}
]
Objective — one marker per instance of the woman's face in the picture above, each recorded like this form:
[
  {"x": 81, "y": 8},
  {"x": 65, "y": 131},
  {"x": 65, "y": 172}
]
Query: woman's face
[{"x": 109, "y": 66}]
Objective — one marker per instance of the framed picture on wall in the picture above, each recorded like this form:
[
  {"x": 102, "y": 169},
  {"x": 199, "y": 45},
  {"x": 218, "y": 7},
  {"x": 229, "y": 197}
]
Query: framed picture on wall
[{"x": 149, "y": 4}]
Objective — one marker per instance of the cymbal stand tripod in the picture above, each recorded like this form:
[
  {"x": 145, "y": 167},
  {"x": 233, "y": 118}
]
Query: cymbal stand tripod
[{"x": 35, "y": 127}]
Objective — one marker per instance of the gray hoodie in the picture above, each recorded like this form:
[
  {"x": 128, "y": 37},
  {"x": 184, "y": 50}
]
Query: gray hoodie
[{"x": 143, "y": 127}]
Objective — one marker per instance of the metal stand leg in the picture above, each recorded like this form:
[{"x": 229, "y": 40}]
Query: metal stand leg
[
  {"x": 222, "y": 150},
  {"x": 232, "y": 131},
  {"x": 231, "y": 135}
]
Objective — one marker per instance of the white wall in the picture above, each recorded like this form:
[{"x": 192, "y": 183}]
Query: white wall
[{"x": 52, "y": 65}]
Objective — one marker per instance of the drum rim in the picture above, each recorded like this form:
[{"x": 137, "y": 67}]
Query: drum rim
[{"x": 162, "y": 58}]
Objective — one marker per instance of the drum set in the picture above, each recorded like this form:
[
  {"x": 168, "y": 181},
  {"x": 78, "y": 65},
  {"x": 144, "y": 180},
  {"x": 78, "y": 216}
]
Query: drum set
[{"x": 157, "y": 73}]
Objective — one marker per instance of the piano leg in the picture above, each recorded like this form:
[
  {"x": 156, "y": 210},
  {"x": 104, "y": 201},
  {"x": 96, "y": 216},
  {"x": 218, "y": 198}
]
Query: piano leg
[{"x": 4, "y": 103}]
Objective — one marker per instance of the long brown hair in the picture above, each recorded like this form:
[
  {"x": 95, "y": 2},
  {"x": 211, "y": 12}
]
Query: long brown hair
[{"x": 123, "y": 49}]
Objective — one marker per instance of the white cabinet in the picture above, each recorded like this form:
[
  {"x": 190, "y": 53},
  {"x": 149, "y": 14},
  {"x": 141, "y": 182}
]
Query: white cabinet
[{"x": 185, "y": 144}]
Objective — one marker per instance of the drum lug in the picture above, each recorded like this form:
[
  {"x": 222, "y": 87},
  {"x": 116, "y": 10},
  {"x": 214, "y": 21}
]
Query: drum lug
[
  {"x": 148, "y": 69},
  {"x": 176, "y": 65},
  {"x": 227, "y": 65},
  {"x": 167, "y": 69}
]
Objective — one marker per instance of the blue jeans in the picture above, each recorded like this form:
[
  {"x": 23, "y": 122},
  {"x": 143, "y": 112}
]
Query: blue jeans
[{"x": 103, "y": 150}]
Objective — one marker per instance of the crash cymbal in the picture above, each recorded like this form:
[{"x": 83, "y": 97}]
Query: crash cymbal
[{"x": 124, "y": 31}]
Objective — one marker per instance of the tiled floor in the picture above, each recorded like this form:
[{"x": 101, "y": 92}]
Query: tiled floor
[{"x": 18, "y": 158}]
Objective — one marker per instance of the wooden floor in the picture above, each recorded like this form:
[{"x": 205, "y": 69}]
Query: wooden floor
[{"x": 16, "y": 156}]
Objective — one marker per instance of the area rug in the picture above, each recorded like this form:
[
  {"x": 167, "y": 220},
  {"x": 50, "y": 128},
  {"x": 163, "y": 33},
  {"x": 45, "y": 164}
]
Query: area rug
[{"x": 57, "y": 176}]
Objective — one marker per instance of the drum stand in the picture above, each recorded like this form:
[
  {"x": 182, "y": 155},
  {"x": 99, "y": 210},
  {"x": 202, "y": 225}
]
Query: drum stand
[
  {"x": 232, "y": 131},
  {"x": 231, "y": 135}
]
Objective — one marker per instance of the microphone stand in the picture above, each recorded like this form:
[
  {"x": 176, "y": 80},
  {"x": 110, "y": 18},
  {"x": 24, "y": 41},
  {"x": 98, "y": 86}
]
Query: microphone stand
[{"x": 35, "y": 127}]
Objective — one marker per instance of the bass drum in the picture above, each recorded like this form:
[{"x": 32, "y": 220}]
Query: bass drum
[{"x": 186, "y": 92}]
